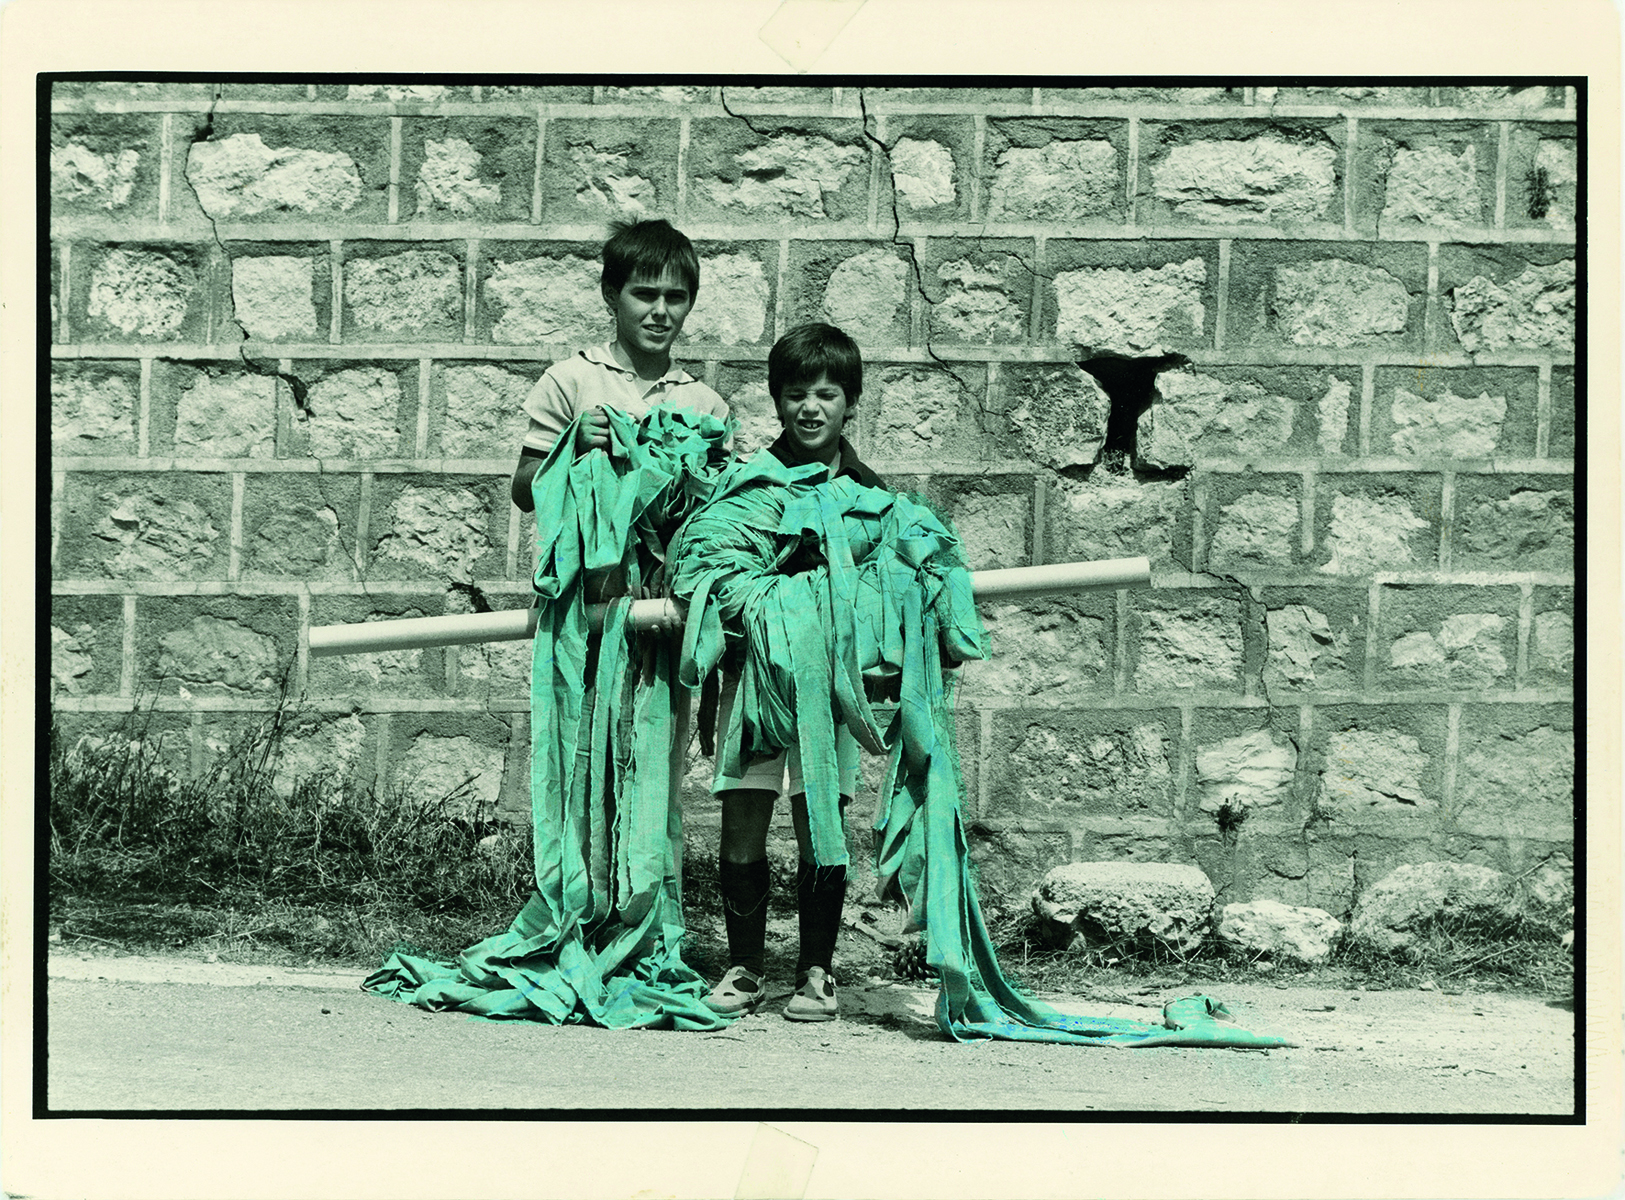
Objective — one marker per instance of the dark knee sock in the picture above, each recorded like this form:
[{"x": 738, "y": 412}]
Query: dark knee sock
[
  {"x": 744, "y": 889},
  {"x": 820, "y": 894}
]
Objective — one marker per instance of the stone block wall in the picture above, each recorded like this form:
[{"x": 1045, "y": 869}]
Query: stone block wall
[{"x": 292, "y": 325}]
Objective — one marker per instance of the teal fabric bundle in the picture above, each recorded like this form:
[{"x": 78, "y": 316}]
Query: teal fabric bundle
[
  {"x": 599, "y": 941},
  {"x": 833, "y": 595}
]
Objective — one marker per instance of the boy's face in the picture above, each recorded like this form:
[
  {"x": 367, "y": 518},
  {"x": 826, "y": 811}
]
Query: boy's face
[
  {"x": 649, "y": 313},
  {"x": 812, "y": 413}
]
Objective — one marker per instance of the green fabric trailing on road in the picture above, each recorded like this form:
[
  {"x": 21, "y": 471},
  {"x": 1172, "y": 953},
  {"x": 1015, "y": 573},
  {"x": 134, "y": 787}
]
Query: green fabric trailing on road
[{"x": 836, "y": 596}]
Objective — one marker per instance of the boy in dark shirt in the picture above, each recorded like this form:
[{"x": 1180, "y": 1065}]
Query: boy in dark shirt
[{"x": 815, "y": 375}]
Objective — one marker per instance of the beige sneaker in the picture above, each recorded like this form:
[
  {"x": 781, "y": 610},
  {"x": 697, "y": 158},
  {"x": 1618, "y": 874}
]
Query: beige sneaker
[
  {"x": 739, "y": 991},
  {"x": 814, "y": 999}
]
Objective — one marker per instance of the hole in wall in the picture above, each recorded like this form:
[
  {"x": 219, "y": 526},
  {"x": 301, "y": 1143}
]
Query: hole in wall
[{"x": 1130, "y": 385}]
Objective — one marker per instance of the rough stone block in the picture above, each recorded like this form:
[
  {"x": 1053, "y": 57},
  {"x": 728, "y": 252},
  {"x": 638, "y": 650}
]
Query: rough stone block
[
  {"x": 298, "y": 526},
  {"x": 1142, "y": 842},
  {"x": 929, "y": 163},
  {"x": 1050, "y": 650},
  {"x": 282, "y": 291},
  {"x": 555, "y": 94},
  {"x": 1242, "y": 172},
  {"x": 1542, "y": 178},
  {"x": 1447, "y": 637},
  {"x": 1516, "y": 777},
  {"x": 1337, "y": 303},
  {"x": 1367, "y": 523},
  {"x": 464, "y": 168},
  {"x": 1253, "y": 522},
  {"x": 449, "y": 529},
  {"x": 895, "y": 96},
  {"x": 457, "y": 774},
  {"x": 529, "y": 297},
  {"x": 1376, "y": 764},
  {"x": 1054, "y": 169},
  {"x": 477, "y": 409},
  {"x": 1551, "y": 638},
  {"x": 1391, "y": 914},
  {"x": 211, "y": 411},
  {"x": 1110, "y": 310},
  {"x": 158, "y": 742},
  {"x": 1250, "y": 770},
  {"x": 660, "y": 93},
  {"x": 94, "y": 407},
  {"x": 1352, "y": 98},
  {"x": 1560, "y": 438},
  {"x": 1065, "y": 765},
  {"x": 1056, "y": 412},
  {"x": 359, "y": 411},
  {"x": 1282, "y": 931},
  {"x": 1010, "y": 862},
  {"x": 1546, "y": 895},
  {"x": 1424, "y": 174},
  {"x": 744, "y": 387},
  {"x": 1134, "y": 297},
  {"x": 139, "y": 294},
  {"x": 239, "y": 177},
  {"x": 977, "y": 293},
  {"x": 770, "y": 171},
  {"x": 1316, "y": 639},
  {"x": 1181, "y": 640},
  {"x": 1319, "y": 294},
  {"x": 924, "y": 415},
  {"x": 860, "y": 287},
  {"x": 1501, "y": 96},
  {"x": 394, "y": 294},
  {"x": 1167, "y": 903},
  {"x": 256, "y": 167},
  {"x": 735, "y": 301},
  {"x": 326, "y": 751},
  {"x": 396, "y": 93},
  {"x": 106, "y": 164},
  {"x": 1151, "y": 95},
  {"x": 1534, "y": 309},
  {"x": 415, "y": 672},
  {"x": 740, "y": 99},
  {"x": 1111, "y": 515},
  {"x": 214, "y": 645},
  {"x": 498, "y": 670},
  {"x": 993, "y": 517},
  {"x": 149, "y": 526},
  {"x": 1515, "y": 297},
  {"x": 1474, "y": 412},
  {"x": 87, "y": 644},
  {"x": 1195, "y": 416},
  {"x": 1517, "y": 523},
  {"x": 615, "y": 167}
]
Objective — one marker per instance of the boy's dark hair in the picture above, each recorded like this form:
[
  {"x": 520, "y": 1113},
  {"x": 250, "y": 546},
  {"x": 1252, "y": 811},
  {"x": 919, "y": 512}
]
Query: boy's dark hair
[
  {"x": 807, "y": 352},
  {"x": 646, "y": 249}
]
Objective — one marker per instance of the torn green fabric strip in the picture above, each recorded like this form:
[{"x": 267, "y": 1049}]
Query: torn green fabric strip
[{"x": 834, "y": 599}]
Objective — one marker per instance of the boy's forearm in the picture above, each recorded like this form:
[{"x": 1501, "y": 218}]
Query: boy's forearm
[{"x": 523, "y": 474}]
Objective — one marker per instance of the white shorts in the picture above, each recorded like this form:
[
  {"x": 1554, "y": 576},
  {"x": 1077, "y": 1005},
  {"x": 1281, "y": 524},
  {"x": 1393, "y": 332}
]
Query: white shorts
[{"x": 782, "y": 772}]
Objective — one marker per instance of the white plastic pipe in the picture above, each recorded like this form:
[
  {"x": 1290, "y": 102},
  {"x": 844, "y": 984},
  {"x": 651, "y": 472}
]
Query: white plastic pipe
[{"x": 519, "y": 624}]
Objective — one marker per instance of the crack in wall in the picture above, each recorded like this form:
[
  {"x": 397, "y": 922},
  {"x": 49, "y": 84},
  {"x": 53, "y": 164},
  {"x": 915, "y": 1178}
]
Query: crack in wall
[{"x": 297, "y": 387}]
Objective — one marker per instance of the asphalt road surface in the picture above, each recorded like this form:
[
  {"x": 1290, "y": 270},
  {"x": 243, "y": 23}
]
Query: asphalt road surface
[{"x": 130, "y": 1033}]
